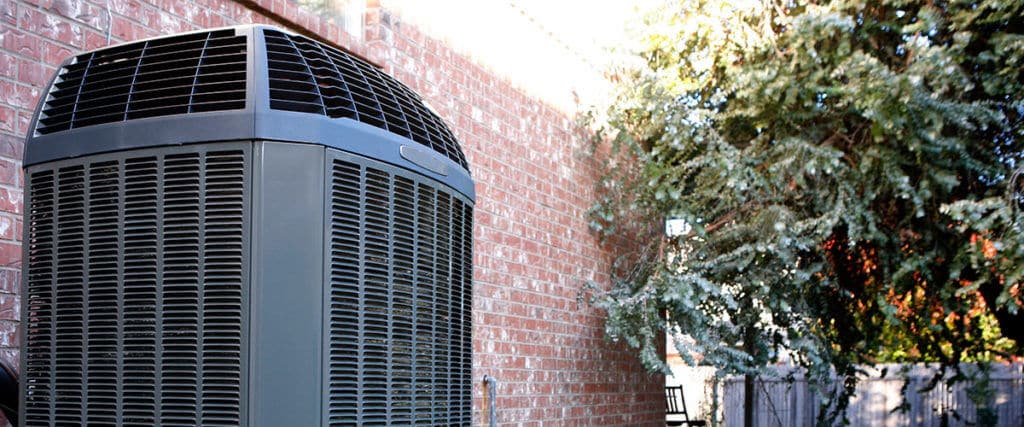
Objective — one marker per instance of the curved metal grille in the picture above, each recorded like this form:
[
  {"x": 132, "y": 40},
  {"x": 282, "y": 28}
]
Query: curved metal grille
[
  {"x": 310, "y": 77},
  {"x": 190, "y": 73}
]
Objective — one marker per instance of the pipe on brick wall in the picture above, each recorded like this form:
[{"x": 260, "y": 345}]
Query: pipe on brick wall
[
  {"x": 110, "y": 23},
  {"x": 492, "y": 385}
]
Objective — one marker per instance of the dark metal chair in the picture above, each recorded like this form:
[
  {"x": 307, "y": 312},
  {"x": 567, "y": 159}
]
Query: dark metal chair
[{"x": 675, "y": 411}]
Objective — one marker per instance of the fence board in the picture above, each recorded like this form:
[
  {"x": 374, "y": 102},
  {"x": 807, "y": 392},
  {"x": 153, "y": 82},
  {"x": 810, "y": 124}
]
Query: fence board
[{"x": 779, "y": 403}]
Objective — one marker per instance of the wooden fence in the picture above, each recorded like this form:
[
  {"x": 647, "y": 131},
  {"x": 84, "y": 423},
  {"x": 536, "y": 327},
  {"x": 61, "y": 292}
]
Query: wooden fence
[{"x": 780, "y": 403}]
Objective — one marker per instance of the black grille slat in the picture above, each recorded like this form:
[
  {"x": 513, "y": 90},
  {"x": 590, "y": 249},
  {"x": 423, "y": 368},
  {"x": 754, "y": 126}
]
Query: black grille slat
[
  {"x": 222, "y": 65},
  {"x": 39, "y": 296},
  {"x": 222, "y": 291},
  {"x": 337, "y": 84},
  {"x": 399, "y": 287},
  {"x": 155, "y": 337},
  {"x": 442, "y": 315},
  {"x": 364, "y": 99},
  {"x": 69, "y": 293},
  {"x": 334, "y": 91},
  {"x": 153, "y": 85},
  {"x": 140, "y": 289},
  {"x": 402, "y": 289},
  {"x": 415, "y": 121},
  {"x": 175, "y": 75},
  {"x": 425, "y": 354},
  {"x": 337, "y": 101},
  {"x": 105, "y": 246},
  {"x": 182, "y": 222},
  {"x": 346, "y": 295},
  {"x": 464, "y": 290},
  {"x": 387, "y": 103},
  {"x": 292, "y": 86},
  {"x": 377, "y": 355}
]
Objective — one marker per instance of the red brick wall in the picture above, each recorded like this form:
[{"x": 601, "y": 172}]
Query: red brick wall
[{"x": 533, "y": 250}]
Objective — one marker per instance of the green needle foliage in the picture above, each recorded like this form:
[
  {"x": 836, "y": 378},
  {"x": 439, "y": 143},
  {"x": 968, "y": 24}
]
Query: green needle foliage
[{"x": 847, "y": 170}]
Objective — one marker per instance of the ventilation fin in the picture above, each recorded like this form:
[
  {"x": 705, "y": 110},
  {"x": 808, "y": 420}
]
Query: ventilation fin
[
  {"x": 176, "y": 75},
  {"x": 309, "y": 77}
]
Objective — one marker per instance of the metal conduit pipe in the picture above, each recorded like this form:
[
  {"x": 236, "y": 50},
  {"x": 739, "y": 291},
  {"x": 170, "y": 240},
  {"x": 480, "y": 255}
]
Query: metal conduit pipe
[{"x": 492, "y": 386}]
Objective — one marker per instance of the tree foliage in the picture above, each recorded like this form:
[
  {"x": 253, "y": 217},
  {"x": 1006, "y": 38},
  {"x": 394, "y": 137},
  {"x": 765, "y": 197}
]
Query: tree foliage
[{"x": 847, "y": 170}]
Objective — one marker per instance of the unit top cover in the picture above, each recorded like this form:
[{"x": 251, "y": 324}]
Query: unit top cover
[{"x": 248, "y": 82}]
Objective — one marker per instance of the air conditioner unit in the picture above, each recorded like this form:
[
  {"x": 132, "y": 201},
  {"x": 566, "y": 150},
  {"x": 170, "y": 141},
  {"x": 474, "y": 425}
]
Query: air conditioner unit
[{"x": 243, "y": 226}]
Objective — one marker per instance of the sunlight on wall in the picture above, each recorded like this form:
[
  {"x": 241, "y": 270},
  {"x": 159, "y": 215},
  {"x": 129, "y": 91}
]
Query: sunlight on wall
[{"x": 557, "y": 51}]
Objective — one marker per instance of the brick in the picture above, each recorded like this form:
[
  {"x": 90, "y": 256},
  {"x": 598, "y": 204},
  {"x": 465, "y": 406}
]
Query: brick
[
  {"x": 34, "y": 74},
  {"x": 8, "y": 329},
  {"x": 10, "y": 174},
  {"x": 18, "y": 96},
  {"x": 10, "y": 201},
  {"x": 8, "y": 227},
  {"x": 79, "y": 11},
  {"x": 217, "y": 20},
  {"x": 131, "y": 8},
  {"x": 180, "y": 8},
  {"x": 8, "y": 119},
  {"x": 302, "y": 17},
  {"x": 10, "y": 280},
  {"x": 96, "y": 40},
  {"x": 164, "y": 23},
  {"x": 55, "y": 54},
  {"x": 227, "y": 8},
  {"x": 148, "y": 16},
  {"x": 8, "y": 66},
  {"x": 290, "y": 12},
  {"x": 9, "y": 12},
  {"x": 142, "y": 32},
  {"x": 51, "y": 27},
  {"x": 123, "y": 29},
  {"x": 10, "y": 257},
  {"x": 24, "y": 117},
  {"x": 274, "y": 6},
  {"x": 244, "y": 14},
  {"x": 11, "y": 146},
  {"x": 18, "y": 42},
  {"x": 202, "y": 18}
]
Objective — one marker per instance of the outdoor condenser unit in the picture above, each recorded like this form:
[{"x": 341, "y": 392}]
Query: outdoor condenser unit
[{"x": 243, "y": 226}]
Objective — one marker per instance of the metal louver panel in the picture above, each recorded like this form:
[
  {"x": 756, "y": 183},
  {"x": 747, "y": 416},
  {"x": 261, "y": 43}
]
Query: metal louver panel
[
  {"x": 310, "y": 77},
  {"x": 400, "y": 293},
  {"x": 174, "y": 75},
  {"x": 135, "y": 288}
]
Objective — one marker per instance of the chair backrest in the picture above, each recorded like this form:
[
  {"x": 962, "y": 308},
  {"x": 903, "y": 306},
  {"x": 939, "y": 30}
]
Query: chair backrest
[
  {"x": 672, "y": 404},
  {"x": 676, "y": 405}
]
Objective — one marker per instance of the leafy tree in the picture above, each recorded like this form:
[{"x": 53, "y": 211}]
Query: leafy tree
[{"x": 847, "y": 170}]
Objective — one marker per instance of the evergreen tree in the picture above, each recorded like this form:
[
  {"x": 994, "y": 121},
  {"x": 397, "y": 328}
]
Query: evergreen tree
[{"x": 847, "y": 168}]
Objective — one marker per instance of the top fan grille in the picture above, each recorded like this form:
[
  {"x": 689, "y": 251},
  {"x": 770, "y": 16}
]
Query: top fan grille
[
  {"x": 309, "y": 77},
  {"x": 175, "y": 75}
]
